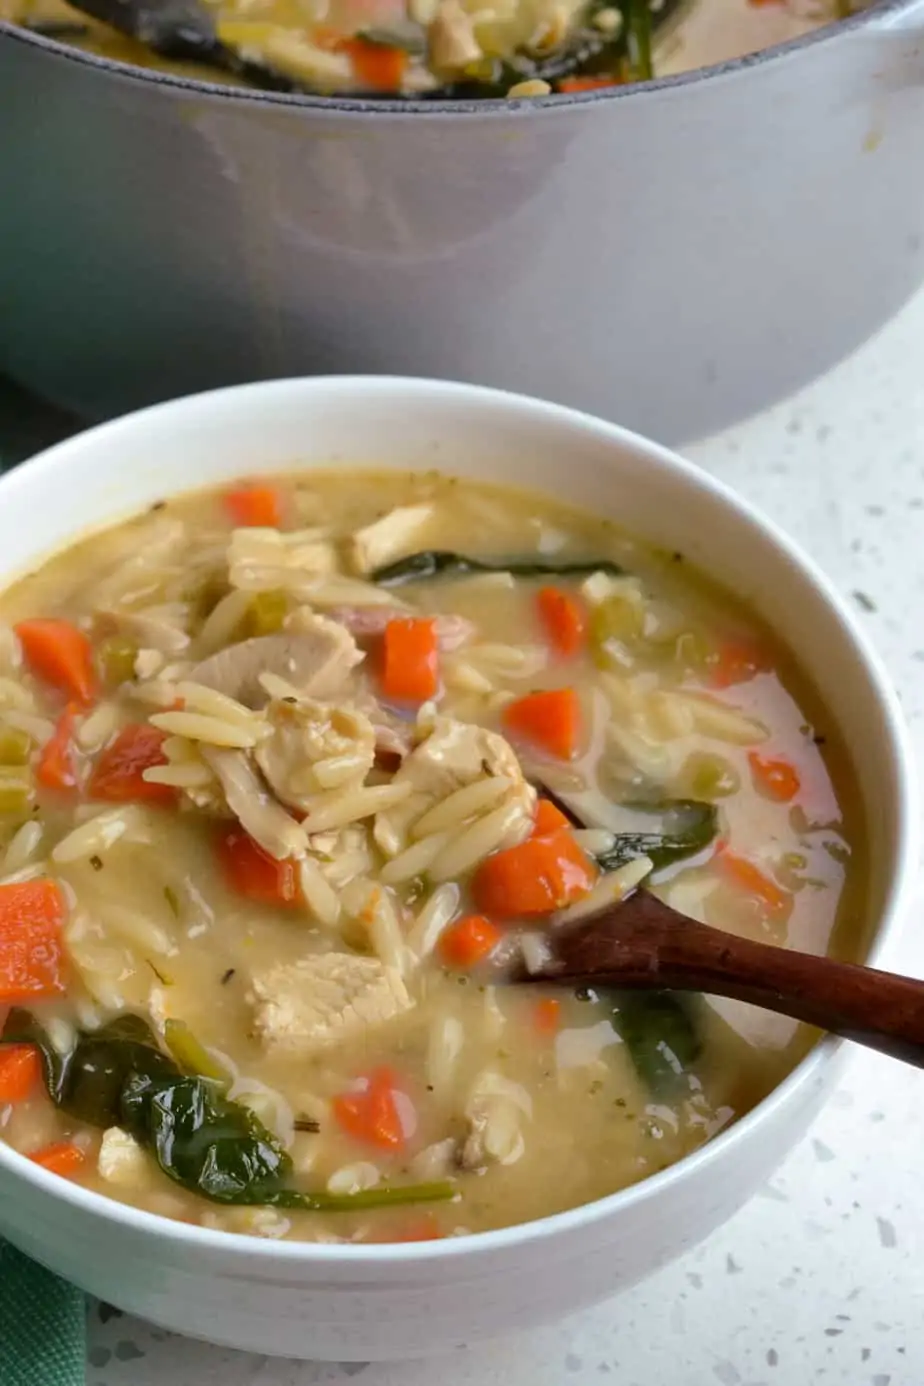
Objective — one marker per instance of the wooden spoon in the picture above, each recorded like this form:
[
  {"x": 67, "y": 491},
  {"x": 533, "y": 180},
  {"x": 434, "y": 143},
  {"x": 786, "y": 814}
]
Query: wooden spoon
[{"x": 643, "y": 943}]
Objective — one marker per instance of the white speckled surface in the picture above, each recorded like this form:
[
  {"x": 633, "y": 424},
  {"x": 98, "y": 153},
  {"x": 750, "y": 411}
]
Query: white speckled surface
[{"x": 819, "y": 1278}]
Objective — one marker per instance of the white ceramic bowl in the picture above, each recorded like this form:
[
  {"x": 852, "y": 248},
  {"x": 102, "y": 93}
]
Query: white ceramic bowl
[{"x": 377, "y": 1302}]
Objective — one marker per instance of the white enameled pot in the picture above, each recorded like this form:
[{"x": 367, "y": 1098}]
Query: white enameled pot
[
  {"x": 375, "y": 1302},
  {"x": 674, "y": 256}
]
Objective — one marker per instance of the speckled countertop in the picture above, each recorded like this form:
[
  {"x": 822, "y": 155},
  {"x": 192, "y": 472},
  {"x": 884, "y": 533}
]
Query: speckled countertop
[{"x": 821, "y": 1277}]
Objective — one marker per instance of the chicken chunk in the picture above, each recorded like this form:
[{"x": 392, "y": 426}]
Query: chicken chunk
[
  {"x": 323, "y": 1000},
  {"x": 316, "y": 660},
  {"x": 313, "y": 747},
  {"x": 121, "y": 1160},
  {"x": 388, "y": 538},
  {"x": 451, "y": 37},
  {"x": 456, "y": 754}
]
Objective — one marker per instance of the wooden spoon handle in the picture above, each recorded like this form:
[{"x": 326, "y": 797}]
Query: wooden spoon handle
[{"x": 655, "y": 947}]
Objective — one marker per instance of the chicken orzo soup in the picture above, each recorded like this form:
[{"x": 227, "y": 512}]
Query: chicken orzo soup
[
  {"x": 435, "y": 49},
  {"x": 295, "y": 774}
]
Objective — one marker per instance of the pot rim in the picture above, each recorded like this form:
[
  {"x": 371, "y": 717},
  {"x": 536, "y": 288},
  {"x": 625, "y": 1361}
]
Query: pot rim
[
  {"x": 537, "y": 1233},
  {"x": 491, "y": 106}
]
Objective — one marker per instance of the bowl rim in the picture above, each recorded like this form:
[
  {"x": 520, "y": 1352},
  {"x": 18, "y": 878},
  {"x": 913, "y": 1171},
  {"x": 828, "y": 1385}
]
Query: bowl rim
[
  {"x": 490, "y": 107},
  {"x": 44, "y": 467}
]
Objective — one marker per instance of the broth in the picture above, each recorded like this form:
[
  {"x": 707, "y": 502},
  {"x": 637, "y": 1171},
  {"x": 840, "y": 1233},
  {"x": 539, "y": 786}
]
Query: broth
[{"x": 315, "y": 914}]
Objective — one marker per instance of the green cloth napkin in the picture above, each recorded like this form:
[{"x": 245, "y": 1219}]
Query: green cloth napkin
[
  {"x": 42, "y": 1325},
  {"x": 42, "y": 1318}
]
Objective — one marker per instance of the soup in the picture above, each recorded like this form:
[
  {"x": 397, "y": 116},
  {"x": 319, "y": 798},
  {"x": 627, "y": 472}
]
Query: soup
[
  {"x": 457, "y": 48},
  {"x": 295, "y": 775}
]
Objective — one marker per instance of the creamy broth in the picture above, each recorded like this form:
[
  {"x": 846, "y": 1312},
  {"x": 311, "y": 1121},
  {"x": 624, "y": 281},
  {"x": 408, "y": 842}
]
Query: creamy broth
[
  {"x": 463, "y": 48},
  {"x": 405, "y": 1058}
]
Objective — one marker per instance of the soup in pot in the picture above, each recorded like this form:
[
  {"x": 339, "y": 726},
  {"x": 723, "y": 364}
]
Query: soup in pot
[
  {"x": 456, "y": 48},
  {"x": 295, "y": 775}
]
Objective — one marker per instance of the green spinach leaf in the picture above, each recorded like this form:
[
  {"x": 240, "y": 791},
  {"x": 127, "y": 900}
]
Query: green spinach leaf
[
  {"x": 437, "y": 563},
  {"x": 661, "y": 1031},
  {"x": 688, "y": 827},
  {"x": 201, "y": 1139}
]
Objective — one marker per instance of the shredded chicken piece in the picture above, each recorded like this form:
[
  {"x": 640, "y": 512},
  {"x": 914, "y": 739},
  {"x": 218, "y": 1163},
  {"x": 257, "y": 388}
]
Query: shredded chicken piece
[
  {"x": 121, "y": 1160},
  {"x": 451, "y": 38},
  {"x": 495, "y": 1112},
  {"x": 388, "y": 538},
  {"x": 456, "y": 754},
  {"x": 324, "y": 999},
  {"x": 494, "y": 1135},
  {"x": 314, "y": 747},
  {"x": 317, "y": 660}
]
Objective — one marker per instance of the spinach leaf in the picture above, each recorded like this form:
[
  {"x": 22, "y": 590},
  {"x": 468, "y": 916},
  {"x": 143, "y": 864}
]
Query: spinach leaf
[
  {"x": 661, "y": 1032},
  {"x": 203, "y": 1141},
  {"x": 437, "y": 563},
  {"x": 689, "y": 827}
]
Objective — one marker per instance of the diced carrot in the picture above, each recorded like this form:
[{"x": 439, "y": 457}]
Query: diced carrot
[
  {"x": 589, "y": 83},
  {"x": 564, "y": 619},
  {"x": 468, "y": 941},
  {"x": 31, "y": 949},
  {"x": 61, "y": 654},
  {"x": 118, "y": 776},
  {"x": 540, "y": 875},
  {"x": 423, "y": 1228},
  {"x": 776, "y": 779},
  {"x": 548, "y": 819},
  {"x": 370, "y": 1114},
  {"x": 377, "y": 67},
  {"x": 749, "y": 878},
  {"x": 410, "y": 663},
  {"x": 256, "y": 504},
  {"x": 737, "y": 662},
  {"x": 547, "y": 1015},
  {"x": 549, "y": 719},
  {"x": 62, "y": 1158},
  {"x": 56, "y": 761},
  {"x": 254, "y": 873},
  {"x": 20, "y": 1070}
]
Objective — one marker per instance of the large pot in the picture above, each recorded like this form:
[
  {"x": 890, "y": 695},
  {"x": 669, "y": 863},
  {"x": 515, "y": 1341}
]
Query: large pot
[{"x": 674, "y": 256}]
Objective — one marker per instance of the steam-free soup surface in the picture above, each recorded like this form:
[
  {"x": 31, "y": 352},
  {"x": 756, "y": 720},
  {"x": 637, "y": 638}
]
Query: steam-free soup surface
[{"x": 287, "y": 789}]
